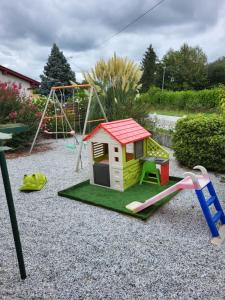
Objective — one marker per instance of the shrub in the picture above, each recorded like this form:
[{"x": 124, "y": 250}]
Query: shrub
[
  {"x": 200, "y": 140},
  {"x": 190, "y": 101},
  {"x": 17, "y": 109},
  {"x": 222, "y": 105},
  {"x": 9, "y": 101},
  {"x": 117, "y": 82}
]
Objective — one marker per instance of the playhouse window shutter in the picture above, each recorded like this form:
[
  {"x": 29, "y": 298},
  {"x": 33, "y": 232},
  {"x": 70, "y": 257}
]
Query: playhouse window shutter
[{"x": 138, "y": 149}]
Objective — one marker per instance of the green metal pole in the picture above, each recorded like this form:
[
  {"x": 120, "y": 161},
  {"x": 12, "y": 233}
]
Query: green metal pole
[{"x": 12, "y": 214}]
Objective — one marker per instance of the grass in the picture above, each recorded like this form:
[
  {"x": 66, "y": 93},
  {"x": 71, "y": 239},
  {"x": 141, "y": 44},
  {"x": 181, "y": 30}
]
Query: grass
[{"x": 117, "y": 201}]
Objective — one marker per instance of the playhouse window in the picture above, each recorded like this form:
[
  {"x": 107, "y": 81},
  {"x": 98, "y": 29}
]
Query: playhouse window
[
  {"x": 116, "y": 149},
  {"x": 139, "y": 149},
  {"x": 129, "y": 151},
  {"x": 134, "y": 150},
  {"x": 116, "y": 159},
  {"x": 100, "y": 151}
]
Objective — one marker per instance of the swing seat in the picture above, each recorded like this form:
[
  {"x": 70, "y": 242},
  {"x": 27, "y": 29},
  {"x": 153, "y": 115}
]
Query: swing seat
[
  {"x": 74, "y": 146},
  {"x": 34, "y": 182},
  {"x": 150, "y": 173},
  {"x": 71, "y": 146}
]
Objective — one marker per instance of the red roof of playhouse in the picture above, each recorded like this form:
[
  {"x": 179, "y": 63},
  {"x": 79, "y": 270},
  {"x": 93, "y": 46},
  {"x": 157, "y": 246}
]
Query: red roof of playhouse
[{"x": 124, "y": 131}]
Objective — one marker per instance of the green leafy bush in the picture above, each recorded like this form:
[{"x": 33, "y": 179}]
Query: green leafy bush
[
  {"x": 17, "y": 109},
  {"x": 222, "y": 106},
  {"x": 190, "y": 101},
  {"x": 9, "y": 101},
  {"x": 200, "y": 140}
]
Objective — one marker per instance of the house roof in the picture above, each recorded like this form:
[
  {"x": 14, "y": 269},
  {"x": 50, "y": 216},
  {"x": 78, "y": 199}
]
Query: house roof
[
  {"x": 7, "y": 71},
  {"x": 124, "y": 131}
]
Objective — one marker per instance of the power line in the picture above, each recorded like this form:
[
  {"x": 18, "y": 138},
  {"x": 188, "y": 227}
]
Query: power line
[
  {"x": 132, "y": 22},
  {"x": 129, "y": 24}
]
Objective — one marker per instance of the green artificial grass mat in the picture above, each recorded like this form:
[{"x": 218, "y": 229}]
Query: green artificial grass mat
[{"x": 117, "y": 201}]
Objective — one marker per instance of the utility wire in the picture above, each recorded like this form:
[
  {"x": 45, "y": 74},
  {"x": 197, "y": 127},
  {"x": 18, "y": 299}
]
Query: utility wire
[
  {"x": 128, "y": 25},
  {"x": 132, "y": 22}
]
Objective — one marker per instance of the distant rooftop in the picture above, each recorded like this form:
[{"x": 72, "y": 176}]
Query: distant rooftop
[{"x": 7, "y": 71}]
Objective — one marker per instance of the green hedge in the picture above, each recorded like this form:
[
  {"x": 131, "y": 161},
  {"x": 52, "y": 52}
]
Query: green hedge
[
  {"x": 190, "y": 101},
  {"x": 200, "y": 140}
]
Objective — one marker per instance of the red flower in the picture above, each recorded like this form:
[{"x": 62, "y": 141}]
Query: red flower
[{"x": 13, "y": 115}]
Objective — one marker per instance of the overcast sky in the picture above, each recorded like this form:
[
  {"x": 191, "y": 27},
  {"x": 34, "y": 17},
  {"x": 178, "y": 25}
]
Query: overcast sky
[{"x": 29, "y": 28}]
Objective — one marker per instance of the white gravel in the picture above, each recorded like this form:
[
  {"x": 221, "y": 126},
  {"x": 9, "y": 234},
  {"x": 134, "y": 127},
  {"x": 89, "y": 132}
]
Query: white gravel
[{"x": 78, "y": 251}]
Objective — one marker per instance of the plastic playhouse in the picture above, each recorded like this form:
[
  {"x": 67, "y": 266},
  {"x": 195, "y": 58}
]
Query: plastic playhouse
[{"x": 117, "y": 151}]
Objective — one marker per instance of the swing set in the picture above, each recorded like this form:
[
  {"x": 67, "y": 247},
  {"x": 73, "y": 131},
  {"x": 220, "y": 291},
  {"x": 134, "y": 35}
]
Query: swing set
[{"x": 59, "y": 105}]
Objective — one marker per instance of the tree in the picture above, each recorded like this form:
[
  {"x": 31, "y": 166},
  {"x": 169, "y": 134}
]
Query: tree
[
  {"x": 117, "y": 82},
  {"x": 216, "y": 72},
  {"x": 57, "y": 71},
  {"x": 185, "y": 68},
  {"x": 148, "y": 66}
]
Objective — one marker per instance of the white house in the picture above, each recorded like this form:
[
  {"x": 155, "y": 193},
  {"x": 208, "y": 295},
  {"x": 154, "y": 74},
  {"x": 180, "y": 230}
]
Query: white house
[{"x": 27, "y": 84}]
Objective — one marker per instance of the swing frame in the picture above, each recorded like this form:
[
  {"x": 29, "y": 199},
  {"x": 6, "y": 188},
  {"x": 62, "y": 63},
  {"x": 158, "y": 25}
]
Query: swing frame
[
  {"x": 54, "y": 98},
  {"x": 52, "y": 95}
]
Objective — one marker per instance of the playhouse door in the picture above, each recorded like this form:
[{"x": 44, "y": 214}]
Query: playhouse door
[{"x": 101, "y": 174}]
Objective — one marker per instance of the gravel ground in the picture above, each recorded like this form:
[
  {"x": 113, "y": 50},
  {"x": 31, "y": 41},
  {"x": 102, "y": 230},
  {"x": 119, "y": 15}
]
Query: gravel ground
[{"x": 78, "y": 251}]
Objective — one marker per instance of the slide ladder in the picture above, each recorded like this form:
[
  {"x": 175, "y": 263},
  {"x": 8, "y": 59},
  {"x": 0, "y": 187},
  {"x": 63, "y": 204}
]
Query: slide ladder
[
  {"x": 197, "y": 183},
  {"x": 206, "y": 204}
]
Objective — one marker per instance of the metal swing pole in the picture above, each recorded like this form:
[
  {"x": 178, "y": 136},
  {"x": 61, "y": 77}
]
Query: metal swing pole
[
  {"x": 78, "y": 109},
  {"x": 12, "y": 214},
  {"x": 74, "y": 118},
  {"x": 56, "y": 121},
  {"x": 62, "y": 122},
  {"x": 40, "y": 123},
  {"x": 84, "y": 130},
  {"x": 100, "y": 104}
]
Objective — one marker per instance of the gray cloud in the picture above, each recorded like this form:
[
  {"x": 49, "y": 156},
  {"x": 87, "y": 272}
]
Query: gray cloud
[{"x": 29, "y": 28}]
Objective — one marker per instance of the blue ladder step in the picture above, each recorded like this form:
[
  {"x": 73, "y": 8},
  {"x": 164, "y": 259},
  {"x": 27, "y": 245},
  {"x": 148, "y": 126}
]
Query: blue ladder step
[
  {"x": 211, "y": 200},
  {"x": 217, "y": 216}
]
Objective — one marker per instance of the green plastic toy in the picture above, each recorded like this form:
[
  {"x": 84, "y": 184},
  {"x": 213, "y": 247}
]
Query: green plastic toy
[
  {"x": 34, "y": 182},
  {"x": 149, "y": 169}
]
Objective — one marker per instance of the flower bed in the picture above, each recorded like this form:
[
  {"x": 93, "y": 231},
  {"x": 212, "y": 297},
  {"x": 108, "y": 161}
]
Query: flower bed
[{"x": 16, "y": 108}]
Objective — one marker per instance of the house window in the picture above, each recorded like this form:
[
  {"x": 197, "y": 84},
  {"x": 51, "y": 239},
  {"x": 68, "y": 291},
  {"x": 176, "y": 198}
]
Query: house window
[
  {"x": 116, "y": 149},
  {"x": 139, "y": 149},
  {"x": 129, "y": 151},
  {"x": 116, "y": 158}
]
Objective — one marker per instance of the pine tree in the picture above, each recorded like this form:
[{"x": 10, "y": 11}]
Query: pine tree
[
  {"x": 57, "y": 71},
  {"x": 148, "y": 66}
]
